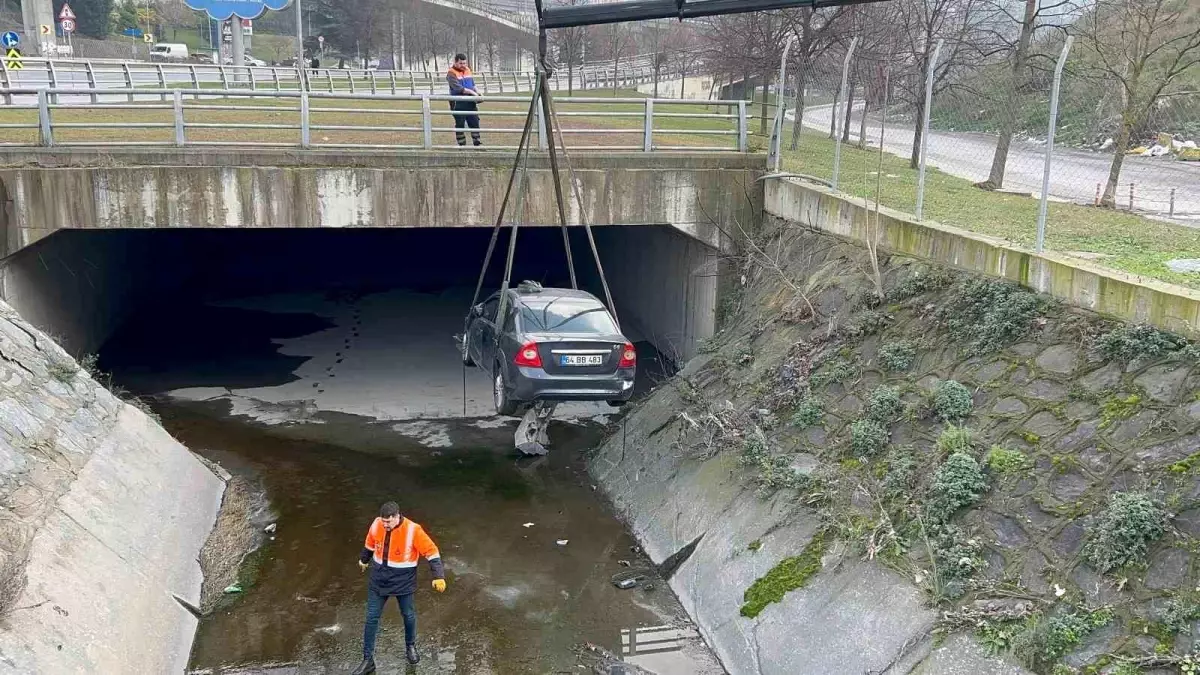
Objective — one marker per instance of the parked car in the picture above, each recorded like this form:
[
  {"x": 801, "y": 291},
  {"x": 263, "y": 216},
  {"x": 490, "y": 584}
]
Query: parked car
[
  {"x": 553, "y": 344},
  {"x": 168, "y": 51}
]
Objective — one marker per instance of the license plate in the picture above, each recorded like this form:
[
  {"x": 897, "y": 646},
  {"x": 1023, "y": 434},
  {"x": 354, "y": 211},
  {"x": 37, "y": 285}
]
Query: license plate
[{"x": 581, "y": 359}]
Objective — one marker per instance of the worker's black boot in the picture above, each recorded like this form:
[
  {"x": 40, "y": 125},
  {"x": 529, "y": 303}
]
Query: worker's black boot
[
  {"x": 413, "y": 656},
  {"x": 365, "y": 668}
]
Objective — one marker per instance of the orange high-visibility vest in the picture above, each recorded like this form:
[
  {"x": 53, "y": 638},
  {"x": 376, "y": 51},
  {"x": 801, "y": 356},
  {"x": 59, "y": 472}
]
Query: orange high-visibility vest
[{"x": 407, "y": 545}]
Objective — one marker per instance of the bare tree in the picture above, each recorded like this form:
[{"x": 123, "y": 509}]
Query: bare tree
[
  {"x": 617, "y": 40},
  {"x": 1143, "y": 47},
  {"x": 961, "y": 24},
  {"x": 1033, "y": 14},
  {"x": 816, "y": 31},
  {"x": 569, "y": 46}
]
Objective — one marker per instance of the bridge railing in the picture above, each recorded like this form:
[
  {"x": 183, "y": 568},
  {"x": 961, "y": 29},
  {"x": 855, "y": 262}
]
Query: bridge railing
[
  {"x": 97, "y": 75},
  {"x": 240, "y": 117}
]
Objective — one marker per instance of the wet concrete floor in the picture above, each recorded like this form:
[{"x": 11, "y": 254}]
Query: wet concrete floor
[{"x": 531, "y": 548}]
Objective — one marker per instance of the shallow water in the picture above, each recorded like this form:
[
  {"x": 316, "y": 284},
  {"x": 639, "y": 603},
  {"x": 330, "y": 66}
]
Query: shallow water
[{"x": 518, "y": 600}]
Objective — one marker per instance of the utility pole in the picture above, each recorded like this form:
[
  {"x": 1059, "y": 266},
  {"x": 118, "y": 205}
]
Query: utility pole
[{"x": 239, "y": 43}]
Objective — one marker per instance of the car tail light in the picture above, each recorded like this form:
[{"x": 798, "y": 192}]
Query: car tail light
[
  {"x": 529, "y": 356},
  {"x": 628, "y": 357}
]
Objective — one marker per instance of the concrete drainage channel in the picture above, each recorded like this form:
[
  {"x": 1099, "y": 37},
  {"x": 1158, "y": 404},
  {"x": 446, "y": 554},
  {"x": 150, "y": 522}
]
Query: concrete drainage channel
[{"x": 326, "y": 400}]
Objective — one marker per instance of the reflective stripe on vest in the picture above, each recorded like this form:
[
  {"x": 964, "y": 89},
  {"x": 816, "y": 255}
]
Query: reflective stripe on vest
[{"x": 407, "y": 556}]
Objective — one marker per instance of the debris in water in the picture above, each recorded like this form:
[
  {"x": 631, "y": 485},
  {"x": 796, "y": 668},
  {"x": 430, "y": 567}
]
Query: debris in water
[
  {"x": 330, "y": 630},
  {"x": 562, "y": 542},
  {"x": 527, "y": 525},
  {"x": 305, "y": 598},
  {"x": 627, "y": 580},
  {"x": 235, "y": 588},
  {"x": 270, "y": 529},
  {"x": 623, "y": 563}
]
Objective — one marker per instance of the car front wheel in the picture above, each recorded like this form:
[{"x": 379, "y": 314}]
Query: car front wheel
[{"x": 504, "y": 405}]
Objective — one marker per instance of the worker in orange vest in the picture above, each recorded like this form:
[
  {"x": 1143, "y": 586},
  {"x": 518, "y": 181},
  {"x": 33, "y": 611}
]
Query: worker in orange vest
[{"x": 394, "y": 546}]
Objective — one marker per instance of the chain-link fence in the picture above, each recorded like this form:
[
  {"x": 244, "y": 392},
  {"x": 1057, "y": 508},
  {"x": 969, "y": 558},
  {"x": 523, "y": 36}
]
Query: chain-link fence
[{"x": 856, "y": 120}]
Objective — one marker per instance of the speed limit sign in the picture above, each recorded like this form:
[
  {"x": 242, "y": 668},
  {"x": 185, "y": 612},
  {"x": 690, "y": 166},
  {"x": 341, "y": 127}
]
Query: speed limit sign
[{"x": 68, "y": 25}]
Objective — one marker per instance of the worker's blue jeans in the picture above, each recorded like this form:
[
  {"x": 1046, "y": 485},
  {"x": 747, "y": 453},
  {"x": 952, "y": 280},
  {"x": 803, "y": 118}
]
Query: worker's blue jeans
[{"x": 375, "y": 604}]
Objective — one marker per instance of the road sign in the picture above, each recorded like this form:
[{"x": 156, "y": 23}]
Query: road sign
[
  {"x": 12, "y": 59},
  {"x": 221, "y": 10},
  {"x": 132, "y": 32},
  {"x": 148, "y": 38},
  {"x": 47, "y": 29},
  {"x": 66, "y": 13},
  {"x": 321, "y": 40},
  {"x": 68, "y": 25},
  {"x": 10, "y": 39}
]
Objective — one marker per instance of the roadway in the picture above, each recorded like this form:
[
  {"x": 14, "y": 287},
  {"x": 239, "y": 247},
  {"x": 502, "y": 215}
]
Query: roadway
[{"x": 1074, "y": 174}]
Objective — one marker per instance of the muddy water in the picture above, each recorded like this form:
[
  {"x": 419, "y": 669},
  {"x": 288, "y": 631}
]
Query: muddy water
[{"x": 530, "y": 547}]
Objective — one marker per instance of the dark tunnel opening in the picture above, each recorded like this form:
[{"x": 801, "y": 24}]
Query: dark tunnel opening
[{"x": 167, "y": 310}]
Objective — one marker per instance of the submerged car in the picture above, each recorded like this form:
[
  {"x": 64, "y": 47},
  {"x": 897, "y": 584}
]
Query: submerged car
[{"x": 553, "y": 344}]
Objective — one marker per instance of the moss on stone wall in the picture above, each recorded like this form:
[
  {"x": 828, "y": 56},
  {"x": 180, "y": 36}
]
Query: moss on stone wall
[{"x": 790, "y": 574}]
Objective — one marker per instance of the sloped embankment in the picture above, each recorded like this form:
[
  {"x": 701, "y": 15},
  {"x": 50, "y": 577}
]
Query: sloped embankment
[
  {"x": 104, "y": 515},
  {"x": 920, "y": 471}
]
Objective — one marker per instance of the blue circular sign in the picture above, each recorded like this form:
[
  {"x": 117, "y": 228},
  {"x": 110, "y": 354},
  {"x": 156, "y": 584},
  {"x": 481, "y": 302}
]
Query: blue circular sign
[{"x": 10, "y": 39}]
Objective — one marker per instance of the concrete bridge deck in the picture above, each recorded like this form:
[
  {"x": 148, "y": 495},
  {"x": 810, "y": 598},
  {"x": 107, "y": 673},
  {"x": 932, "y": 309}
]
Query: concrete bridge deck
[{"x": 700, "y": 194}]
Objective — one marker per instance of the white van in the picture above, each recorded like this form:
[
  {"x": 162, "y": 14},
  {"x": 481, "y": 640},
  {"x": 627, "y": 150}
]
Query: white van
[{"x": 169, "y": 51}]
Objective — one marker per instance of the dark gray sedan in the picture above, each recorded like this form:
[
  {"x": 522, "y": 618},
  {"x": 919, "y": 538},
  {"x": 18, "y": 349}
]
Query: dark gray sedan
[{"x": 553, "y": 344}]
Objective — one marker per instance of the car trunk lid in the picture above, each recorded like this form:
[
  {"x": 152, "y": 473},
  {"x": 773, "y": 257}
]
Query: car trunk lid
[{"x": 574, "y": 354}]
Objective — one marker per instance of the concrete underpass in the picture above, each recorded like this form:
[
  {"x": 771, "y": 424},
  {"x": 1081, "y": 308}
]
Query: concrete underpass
[{"x": 398, "y": 295}]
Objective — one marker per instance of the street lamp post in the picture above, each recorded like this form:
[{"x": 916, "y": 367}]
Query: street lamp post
[{"x": 300, "y": 65}]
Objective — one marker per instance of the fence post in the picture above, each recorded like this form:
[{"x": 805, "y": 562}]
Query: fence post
[
  {"x": 742, "y": 128},
  {"x": 52, "y": 77},
  {"x": 648, "y": 127},
  {"x": 427, "y": 121},
  {"x": 195, "y": 81},
  {"x": 773, "y": 153},
  {"x": 224, "y": 78},
  {"x": 91, "y": 76},
  {"x": 1044, "y": 200},
  {"x": 178, "y": 108},
  {"x": 305, "y": 121},
  {"x": 275, "y": 77},
  {"x": 162, "y": 81},
  {"x": 933, "y": 60},
  {"x": 837, "y": 141},
  {"x": 392, "y": 75},
  {"x": 1171, "y": 207},
  {"x": 128, "y": 79},
  {"x": 543, "y": 137},
  {"x": 47, "y": 135}
]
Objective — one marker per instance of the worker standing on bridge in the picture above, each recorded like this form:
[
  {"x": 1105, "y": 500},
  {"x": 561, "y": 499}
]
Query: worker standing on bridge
[
  {"x": 462, "y": 83},
  {"x": 394, "y": 546}
]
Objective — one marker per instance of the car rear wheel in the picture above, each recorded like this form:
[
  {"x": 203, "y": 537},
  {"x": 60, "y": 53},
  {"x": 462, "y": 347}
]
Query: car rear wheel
[{"x": 504, "y": 404}]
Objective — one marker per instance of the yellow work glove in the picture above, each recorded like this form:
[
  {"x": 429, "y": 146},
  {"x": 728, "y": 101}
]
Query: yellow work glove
[
  {"x": 439, "y": 585},
  {"x": 362, "y": 566}
]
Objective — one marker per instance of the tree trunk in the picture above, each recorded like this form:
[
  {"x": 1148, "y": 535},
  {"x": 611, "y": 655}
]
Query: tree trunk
[
  {"x": 798, "y": 118},
  {"x": 657, "y": 67},
  {"x": 616, "y": 74},
  {"x": 849, "y": 108},
  {"x": 570, "y": 78},
  {"x": 914, "y": 160},
  {"x": 833, "y": 112},
  {"x": 862, "y": 121},
  {"x": 1114, "y": 170},
  {"x": 766, "y": 88},
  {"x": 1008, "y": 104}
]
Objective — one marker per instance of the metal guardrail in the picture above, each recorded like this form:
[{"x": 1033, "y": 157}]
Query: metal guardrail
[
  {"x": 178, "y": 111},
  {"x": 96, "y": 75}
]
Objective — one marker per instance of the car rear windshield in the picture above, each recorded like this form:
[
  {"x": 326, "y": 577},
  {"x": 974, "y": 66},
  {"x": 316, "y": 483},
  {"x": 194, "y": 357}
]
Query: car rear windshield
[{"x": 563, "y": 315}]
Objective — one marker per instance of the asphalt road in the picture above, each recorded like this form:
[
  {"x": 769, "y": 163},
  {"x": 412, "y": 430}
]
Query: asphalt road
[{"x": 1074, "y": 174}]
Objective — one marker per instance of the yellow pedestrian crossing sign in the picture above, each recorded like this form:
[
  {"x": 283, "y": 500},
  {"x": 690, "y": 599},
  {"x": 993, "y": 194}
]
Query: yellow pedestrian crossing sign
[{"x": 12, "y": 59}]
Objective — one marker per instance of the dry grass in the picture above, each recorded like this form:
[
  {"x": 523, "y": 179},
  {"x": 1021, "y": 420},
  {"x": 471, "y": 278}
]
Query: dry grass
[{"x": 232, "y": 537}]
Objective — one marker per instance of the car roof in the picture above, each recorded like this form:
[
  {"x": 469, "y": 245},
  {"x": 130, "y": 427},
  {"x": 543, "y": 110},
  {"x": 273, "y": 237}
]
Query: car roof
[{"x": 539, "y": 297}]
